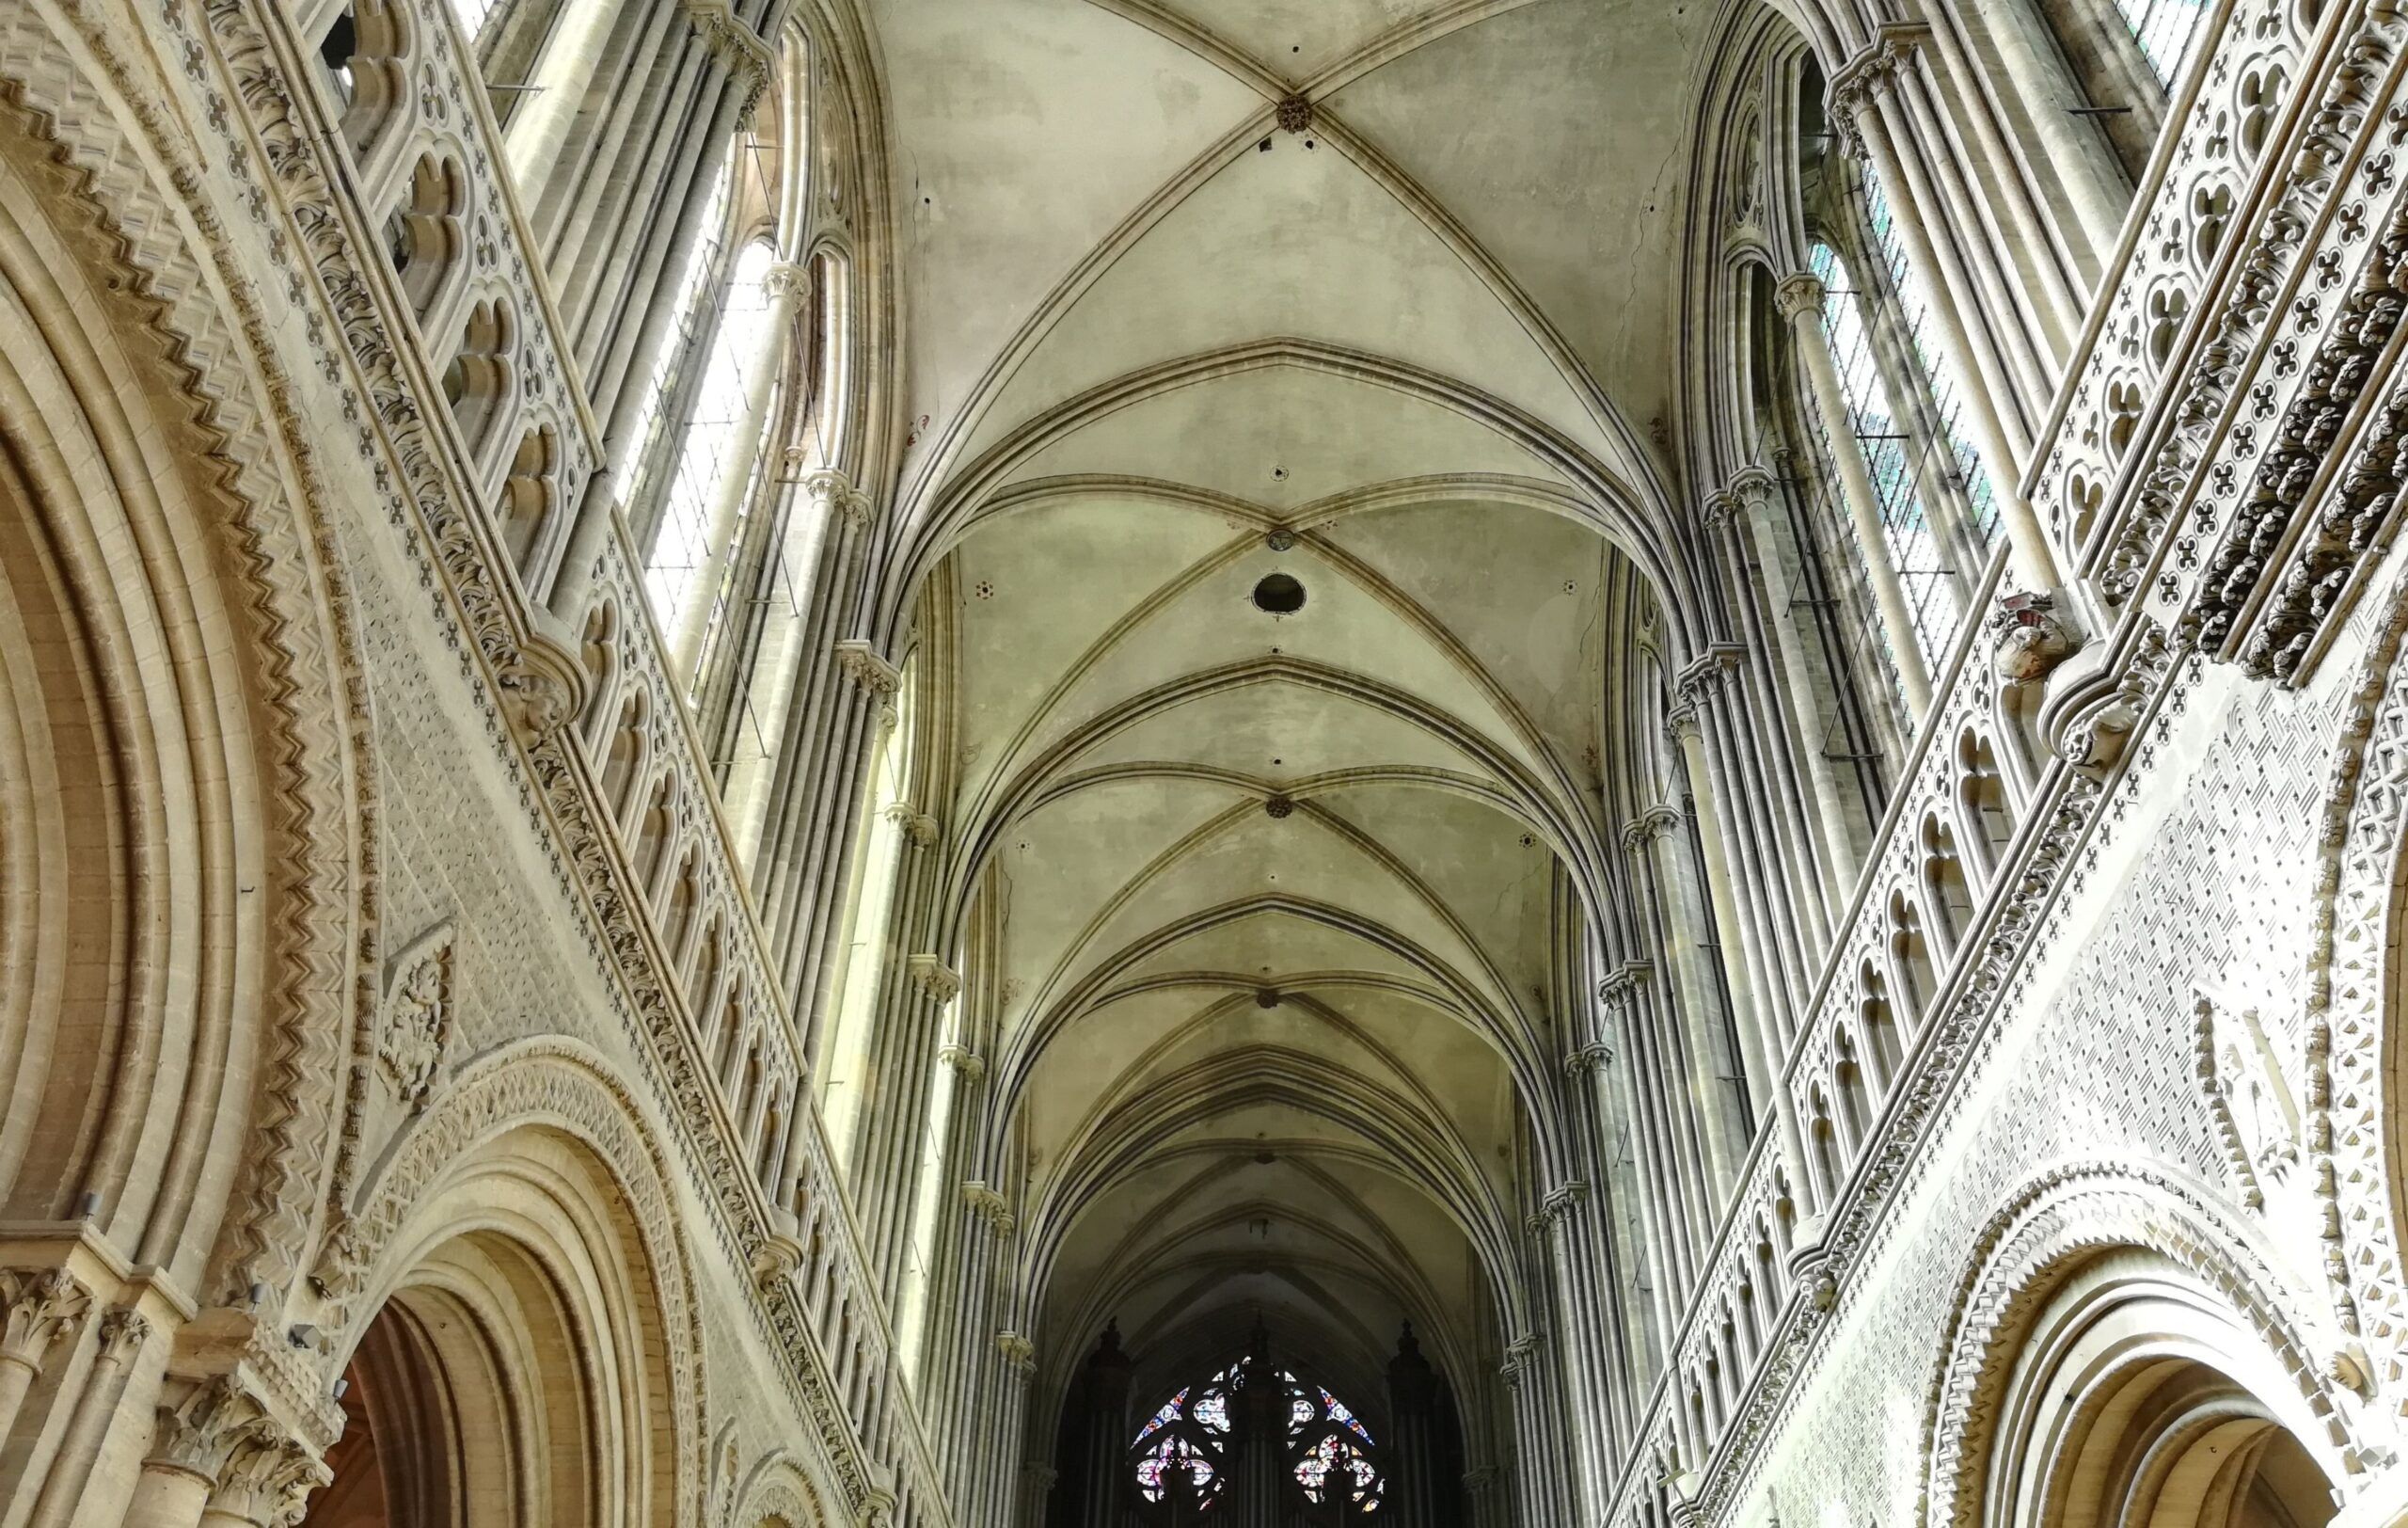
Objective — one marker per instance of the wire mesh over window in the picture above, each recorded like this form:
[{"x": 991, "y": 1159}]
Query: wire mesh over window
[
  {"x": 2167, "y": 30},
  {"x": 713, "y": 446},
  {"x": 1897, "y": 459},
  {"x": 473, "y": 14}
]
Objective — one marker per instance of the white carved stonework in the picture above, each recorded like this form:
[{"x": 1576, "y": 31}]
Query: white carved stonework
[
  {"x": 417, "y": 1021},
  {"x": 2254, "y": 1105}
]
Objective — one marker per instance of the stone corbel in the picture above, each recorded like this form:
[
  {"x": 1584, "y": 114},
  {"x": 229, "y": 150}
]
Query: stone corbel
[
  {"x": 874, "y": 675},
  {"x": 937, "y": 981},
  {"x": 776, "y": 1260},
  {"x": 543, "y": 688}
]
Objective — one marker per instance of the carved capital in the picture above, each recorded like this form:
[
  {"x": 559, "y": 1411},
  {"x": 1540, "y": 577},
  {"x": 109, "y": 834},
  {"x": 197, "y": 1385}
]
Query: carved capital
[
  {"x": 196, "y": 1435},
  {"x": 1592, "y": 1057},
  {"x": 938, "y": 983},
  {"x": 1620, "y": 990},
  {"x": 918, "y": 826},
  {"x": 871, "y": 674},
  {"x": 1873, "y": 71},
  {"x": 732, "y": 42},
  {"x": 267, "y": 1477},
  {"x": 1799, "y": 293},
  {"x": 834, "y": 493},
  {"x": 1558, "y": 1205},
  {"x": 989, "y": 1206},
  {"x": 786, "y": 281},
  {"x": 1521, "y": 1356},
  {"x": 967, "y": 1062},
  {"x": 37, "y": 1308},
  {"x": 1750, "y": 487},
  {"x": 1650, "y": 825},
  {"x": 1017, "y": 1351}
]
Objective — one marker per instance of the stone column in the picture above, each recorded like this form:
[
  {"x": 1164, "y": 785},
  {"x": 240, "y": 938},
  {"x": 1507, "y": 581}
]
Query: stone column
[
  {"x": 1412, "y": 1499},
  {"x": 1856, "y": 93},
  {"x": 122, "y": 1334},
  {"x": 37, "y": 1309},
  {"x": 1799, "y": 299},
  {"x": 1561, "y": 1225},
  {"x": 1037, "y": 1477},
  {"x": 2074, "y": 152},
  {"x": 1744, "y": 509},
  {"x": 1103, "y": 1432},
  {"x": 787, "y": 285},
  {"x": 1483, "y": 1500}
]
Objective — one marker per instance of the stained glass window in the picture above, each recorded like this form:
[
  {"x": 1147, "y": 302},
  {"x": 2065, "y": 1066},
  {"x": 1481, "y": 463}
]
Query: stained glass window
[{"x": 1187, "y": 1449}]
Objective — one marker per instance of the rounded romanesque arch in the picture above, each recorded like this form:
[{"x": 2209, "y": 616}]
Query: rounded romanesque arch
[
  {"x": 2118, "y": 1354},
  {"x": 184, "y": 826},
  {"x": 515, "y": 1312}
]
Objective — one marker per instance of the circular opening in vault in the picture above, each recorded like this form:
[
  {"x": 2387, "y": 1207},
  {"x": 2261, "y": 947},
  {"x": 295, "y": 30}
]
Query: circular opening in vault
[{"x": 1280, "y": 595}]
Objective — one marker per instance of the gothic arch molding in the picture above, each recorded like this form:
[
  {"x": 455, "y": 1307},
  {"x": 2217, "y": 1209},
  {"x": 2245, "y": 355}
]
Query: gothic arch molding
[
  {"x": 2059, "y": 1225},
  {"x": 183, "y": 452},
  {"x": 545, "y": 1128}
]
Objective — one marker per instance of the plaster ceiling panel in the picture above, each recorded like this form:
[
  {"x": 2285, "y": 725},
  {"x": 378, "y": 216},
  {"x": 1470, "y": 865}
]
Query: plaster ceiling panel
[
  {"x": 1011, "y": 575},
  {"x": 1342, "y": 625},
  {"x": 1293, "y": 859},
  {"x": 1520, "y": 588},
  {"x": 1298, "y": 39},
  {"x": 994, "y": 99},
  {"x": 1083, "y": 1069},
  {"x": 1291, "y": 242},
  {"x": 1471, "y": 856},
  {"x": 1555, "y": 133},
  {"x": 1279, "y": 732},
  {"x": 1267, "y": 946},
  {"x": 1327, "y": 434},
  {"x": 1055, "y": 879}
]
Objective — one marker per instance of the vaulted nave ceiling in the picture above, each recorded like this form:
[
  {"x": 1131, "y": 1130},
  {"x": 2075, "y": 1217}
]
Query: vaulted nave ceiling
[{"x": 1275, "y": 897}]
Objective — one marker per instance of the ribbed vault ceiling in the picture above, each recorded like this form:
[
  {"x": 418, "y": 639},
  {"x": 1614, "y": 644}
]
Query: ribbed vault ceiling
[{"x": 1280, "y": 895}]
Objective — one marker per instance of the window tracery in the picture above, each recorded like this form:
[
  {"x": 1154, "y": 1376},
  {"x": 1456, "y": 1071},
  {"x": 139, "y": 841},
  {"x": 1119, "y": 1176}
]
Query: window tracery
[{"x": 1253, "y": 1420}]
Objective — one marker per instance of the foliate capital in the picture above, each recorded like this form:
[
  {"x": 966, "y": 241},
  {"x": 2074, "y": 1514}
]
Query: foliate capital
[
  {"x": 1017, "y": 1351},
  {"x": 37, "y": 1307},
  {"x": 989, "y": 1206},
  {"x": 786, "y": 281},
  {"x": 1800, "y": 294},
  {"x": 968, "y": 1062}
]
